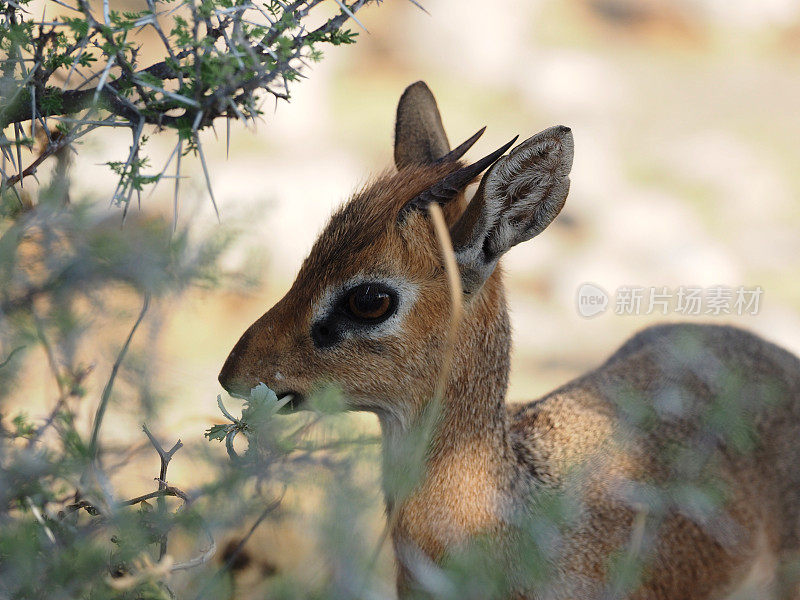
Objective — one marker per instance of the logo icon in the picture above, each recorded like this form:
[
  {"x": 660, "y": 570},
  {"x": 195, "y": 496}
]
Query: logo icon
[{"x": 592, "y": 300}]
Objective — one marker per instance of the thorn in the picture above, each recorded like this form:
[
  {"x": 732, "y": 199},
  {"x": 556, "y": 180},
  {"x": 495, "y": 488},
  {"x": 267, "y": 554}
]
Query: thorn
[
  {"x": 197, "y": 118},
  {"x": 177, "y": 187},
  {"x": 205, "y": 172},
  {"x": 17, "y": 128},
  {"x": 7, "y": 152},
  {"x": 33, "y": 113},
  {"x": 103, "y": 78},
  {"x": 137, "y": 134},
  {"x": 350, "y": 14},
  {"x": 124, "y": 213},
  {"x": 75, "y": 63},
  {"x": 419, "y": 6}
]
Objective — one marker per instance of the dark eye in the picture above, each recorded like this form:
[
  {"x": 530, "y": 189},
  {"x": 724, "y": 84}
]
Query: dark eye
[{"x": 370, "y": 302}]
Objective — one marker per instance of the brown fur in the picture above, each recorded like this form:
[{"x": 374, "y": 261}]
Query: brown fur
[
  {"x": 419, "y": 135},
  {"x": 489, "y": 462}
]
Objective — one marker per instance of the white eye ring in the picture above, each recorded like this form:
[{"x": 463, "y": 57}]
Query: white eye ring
[{"x": 335, "y": 299}]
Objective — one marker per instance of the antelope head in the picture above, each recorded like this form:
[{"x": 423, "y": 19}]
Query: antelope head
[{"x": 370, "y": 306}]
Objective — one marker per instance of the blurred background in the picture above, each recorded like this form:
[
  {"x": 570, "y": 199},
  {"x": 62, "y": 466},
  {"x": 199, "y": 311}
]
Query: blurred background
[
  {"x": 685, "y": 117},
  {"x": 686, "y": 125}
]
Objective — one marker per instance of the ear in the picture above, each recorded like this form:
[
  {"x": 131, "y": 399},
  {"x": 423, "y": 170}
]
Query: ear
[
  {"x": 419, "y": 137},
  {"x": 518, "y": 197}
]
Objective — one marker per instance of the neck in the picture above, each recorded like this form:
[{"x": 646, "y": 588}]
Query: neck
[{"x": 469, "y": 462}]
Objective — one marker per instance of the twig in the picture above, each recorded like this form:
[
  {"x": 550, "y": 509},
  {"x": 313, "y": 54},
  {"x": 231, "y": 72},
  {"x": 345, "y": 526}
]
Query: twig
[
  {"x": 37, "y": 513},
  {"x": 137, "y": 135},
  {"x": 49, "y": 151},
  {"x": 11, "y": 355},
  {"x": 165, "y": 456},
  {"x": 77, "y": 380},
  {"x": 101, "y": 84},
  {"x": 271, "y": 507},
  {"x": 52, "y": 363},
  {"x": 228, "y": 138},
  {"x": 173, "y": 95},
  {"x": 101, "y": 409},
  {"x": 31, "y": 169},
  {"x": 157, "y": 103},
  {"x": 264, "y": 514},
  {"x": 168, "y": 490},
  {"x": 203, "y": 558},
  {"x": 10, "y": 182},
  {"x": 80, "y": 504},
  {"x": 65, "y": 5}
]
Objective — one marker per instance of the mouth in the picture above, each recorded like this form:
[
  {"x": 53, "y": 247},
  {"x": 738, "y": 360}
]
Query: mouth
[
  {"x": 294, "y": 402},
  {"x": 290, "y": 400}
]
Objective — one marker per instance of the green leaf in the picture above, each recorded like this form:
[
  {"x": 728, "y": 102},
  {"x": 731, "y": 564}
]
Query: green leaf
[
  {"x": 23, "y": 427},
  {"x": 217, "y": 432}
]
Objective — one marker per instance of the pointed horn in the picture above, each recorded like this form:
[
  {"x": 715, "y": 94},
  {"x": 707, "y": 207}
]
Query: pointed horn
[
  {"x": 451, "y": 186},
  {"x": 457, "y": 153}
]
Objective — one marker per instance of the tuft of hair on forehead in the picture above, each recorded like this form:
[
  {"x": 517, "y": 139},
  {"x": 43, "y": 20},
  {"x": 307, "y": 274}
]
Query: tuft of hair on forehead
[{"x": 370, "y": 216}]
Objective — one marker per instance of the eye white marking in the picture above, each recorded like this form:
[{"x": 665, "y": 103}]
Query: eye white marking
[
  {"x": 278, "y": 376},
  {"x": 406, "y": 297}
]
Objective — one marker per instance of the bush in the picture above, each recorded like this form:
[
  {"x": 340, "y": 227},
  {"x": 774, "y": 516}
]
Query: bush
[{"x": 70, "y": 276}]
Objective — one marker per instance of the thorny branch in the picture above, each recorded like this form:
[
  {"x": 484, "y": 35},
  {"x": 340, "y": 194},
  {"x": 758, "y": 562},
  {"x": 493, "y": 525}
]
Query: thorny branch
[
  {"x": 168, "y": 490},
  {"x": 220, "y": 59},
  {"x": 164, "y": 490}
]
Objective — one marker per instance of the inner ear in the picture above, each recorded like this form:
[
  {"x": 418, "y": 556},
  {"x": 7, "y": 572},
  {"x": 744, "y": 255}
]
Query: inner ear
[
  {"x": 419, "y": 137},
  {"x": 518, "y": 198}
]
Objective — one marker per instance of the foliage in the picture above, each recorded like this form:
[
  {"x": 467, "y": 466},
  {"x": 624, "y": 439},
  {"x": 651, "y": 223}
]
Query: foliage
[
  {"x": 68, "y": 274},
  {"x": 76, "y": 71}
]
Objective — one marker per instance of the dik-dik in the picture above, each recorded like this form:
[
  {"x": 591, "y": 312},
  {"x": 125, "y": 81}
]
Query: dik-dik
[{"x": 370, "y": 311}]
